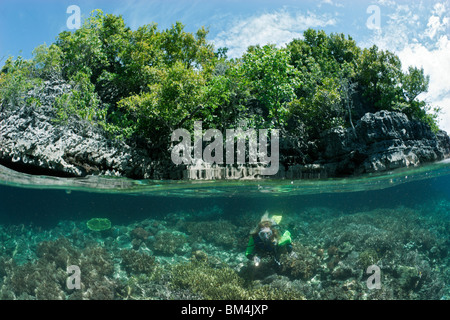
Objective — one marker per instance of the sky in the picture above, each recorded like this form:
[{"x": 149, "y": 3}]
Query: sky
[{"x": 417, "y": 31}]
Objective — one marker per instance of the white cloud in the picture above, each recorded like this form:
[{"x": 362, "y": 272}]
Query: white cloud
[
  {"x": 396, "y": 29},
  {"x": 277, "y": 28},
  {"x": 331, "y": 3},
  {"x": 436, "y": 63},
  {"x": 424, "y": 45},
  {"x": 439, "y": 9},
  {"x": 435, "y": 25},
  {"x": 388, "y": 3}
]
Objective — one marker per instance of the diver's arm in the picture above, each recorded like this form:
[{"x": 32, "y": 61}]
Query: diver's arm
[
  {"x": 286, "y": 241},
  {"x": 250, "y": 252}
]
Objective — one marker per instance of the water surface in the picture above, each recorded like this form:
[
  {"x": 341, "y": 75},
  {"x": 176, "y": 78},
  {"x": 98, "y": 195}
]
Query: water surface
[{"x": 398, "y": 221}]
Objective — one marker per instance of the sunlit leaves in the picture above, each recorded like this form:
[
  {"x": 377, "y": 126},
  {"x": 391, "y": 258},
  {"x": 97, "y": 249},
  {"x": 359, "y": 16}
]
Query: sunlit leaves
[
  {"x": 379, "y": 76},
  {"x": 15, "y": 81},
  {"x": 47, "y": 62},
  {"x": 414, "y": 83},
  {"x": 146, "y": 82},
  {"x": 82, "y": 101},
  {"x": 271, "y": 79},
  {"x": 170, "y": 102}
]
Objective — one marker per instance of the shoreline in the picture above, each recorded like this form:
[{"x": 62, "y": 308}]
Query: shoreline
[{"x": 31, "y": 142}]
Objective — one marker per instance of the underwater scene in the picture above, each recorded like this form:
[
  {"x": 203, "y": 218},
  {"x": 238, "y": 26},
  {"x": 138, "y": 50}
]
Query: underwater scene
[{"x": 374, "y": 237}]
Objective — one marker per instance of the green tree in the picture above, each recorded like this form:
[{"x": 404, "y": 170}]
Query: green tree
[
  {"x": 414, "y": 83},
  {"x": 171, "y": 102},
  {"x": 82, "y": 49},
  {"x": 47, "y": 62},
  {"x": 226, "y": 96},
  {"x": 326, "y": 66},
  {"x": 82, "y": 101},
  {"x": 15, "y": 81},
  {"x": 322, "y": 110},
  {"x": 379, "y": 78},
  {"x": 181, "y": 46},
  {"x": 145, "y": 83},
  {"x": 272, "y": 80},
  {"x": 96, "y": 49}
]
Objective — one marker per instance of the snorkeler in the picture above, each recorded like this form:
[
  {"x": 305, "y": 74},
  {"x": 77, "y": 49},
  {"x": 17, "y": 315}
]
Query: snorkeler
[{"x": 265, "y": 239}]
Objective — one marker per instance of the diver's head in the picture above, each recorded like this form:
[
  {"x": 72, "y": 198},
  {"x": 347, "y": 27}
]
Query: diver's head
[
  {"x": 267, "y": 229},
  {"x": 265, "y": 234}
]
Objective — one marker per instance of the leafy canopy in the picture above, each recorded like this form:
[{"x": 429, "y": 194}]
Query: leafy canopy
[{"x": 143, "y": 84}]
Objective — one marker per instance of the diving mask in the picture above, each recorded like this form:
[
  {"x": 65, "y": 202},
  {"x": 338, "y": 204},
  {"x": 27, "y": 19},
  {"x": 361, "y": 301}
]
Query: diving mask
[{"x": 265, "y": 234}]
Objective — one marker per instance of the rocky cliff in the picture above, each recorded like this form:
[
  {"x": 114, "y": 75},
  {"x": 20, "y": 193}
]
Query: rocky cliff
[
  {"x": 31, "y": 141},
  {"x": 381, "y": 141}
]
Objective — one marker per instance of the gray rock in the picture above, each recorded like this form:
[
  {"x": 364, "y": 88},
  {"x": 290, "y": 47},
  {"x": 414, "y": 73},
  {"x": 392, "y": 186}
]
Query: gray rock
[
  {"x": 31, "y": 141},
  {"x": 381, "y": 141}
]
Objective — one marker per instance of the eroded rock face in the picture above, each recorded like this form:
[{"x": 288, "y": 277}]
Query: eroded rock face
[
  {"x": 382, "y": 141},
  {"x": 31, "y": 141}
]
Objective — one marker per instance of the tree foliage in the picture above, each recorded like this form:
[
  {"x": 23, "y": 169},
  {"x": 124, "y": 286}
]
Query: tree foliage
[
  {"x": 145, "y": 83},
  {"x": 269, "y": 76}
]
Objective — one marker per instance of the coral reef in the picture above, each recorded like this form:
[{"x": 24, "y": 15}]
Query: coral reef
[
  {"x": 99, "y": 224},
  {"x": 222, "y": 233},
  {"x": 45, "y": 279},
  {"x": 224, "y": 283},
  {"x": 168, "y": 243},
  {"x": 187, "y": 258},
  {"x": 301, "y": 265},
  {"x": 136, "y": 263}
]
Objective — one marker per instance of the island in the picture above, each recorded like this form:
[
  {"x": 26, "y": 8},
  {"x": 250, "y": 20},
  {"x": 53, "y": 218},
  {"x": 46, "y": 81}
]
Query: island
[{"x": 106, "y": 100}]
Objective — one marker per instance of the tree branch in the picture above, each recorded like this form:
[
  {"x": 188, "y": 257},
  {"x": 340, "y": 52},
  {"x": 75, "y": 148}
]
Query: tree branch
[{"x": 189, "y": 116}]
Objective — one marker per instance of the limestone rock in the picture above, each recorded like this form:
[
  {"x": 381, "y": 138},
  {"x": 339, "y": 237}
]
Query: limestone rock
[
  {"x": 381, "y": 141},
  {"x": 31, "y": 141}
]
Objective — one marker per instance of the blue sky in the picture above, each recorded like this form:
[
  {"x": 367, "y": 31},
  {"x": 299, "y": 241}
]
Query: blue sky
[{"x": 418, "y": 31}]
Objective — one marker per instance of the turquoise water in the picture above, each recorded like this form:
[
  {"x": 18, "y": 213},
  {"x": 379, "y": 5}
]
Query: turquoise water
[{"x": 186, "y": 240}]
